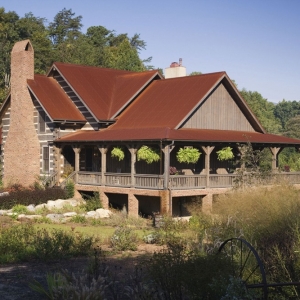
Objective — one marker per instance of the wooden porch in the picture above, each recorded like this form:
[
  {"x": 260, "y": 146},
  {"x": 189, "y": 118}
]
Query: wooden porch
[{"x": 175, "y": 182}]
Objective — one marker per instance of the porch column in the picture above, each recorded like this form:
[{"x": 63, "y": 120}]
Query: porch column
[
  {"x": 132, "y": 149},
  {"x": 104, "y": 200},
  {"x": 57, "y": 162},
  {"x": 167, "y": 150},
  {"x": 207, "y": 150},
  {"x": 207, "y": 203},
  {"x": 103, "y": 150},
  {"x": 77, "y": 150},
  {"x": 133, "y": 205},
  {"x": 242, "y": 152},
  {"x": 275, "y": 151}
]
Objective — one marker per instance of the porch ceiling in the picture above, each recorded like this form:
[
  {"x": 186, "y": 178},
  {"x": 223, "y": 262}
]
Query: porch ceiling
[{"x": 205, "y": 136}]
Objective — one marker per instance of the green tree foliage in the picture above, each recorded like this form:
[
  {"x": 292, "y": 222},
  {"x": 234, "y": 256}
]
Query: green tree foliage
[
  {"x": 263, "y": 110},
  {"x": 285, "y": 110},
  {"x": 292, "y": 127},
  {"x": 65, "y": 26},
  {"x": 62, "y": 40},
  {"x": 122, "y": 57}
]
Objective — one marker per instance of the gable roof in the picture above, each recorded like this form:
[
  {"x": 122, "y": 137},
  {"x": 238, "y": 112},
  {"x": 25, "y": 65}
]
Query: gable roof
[
  {"x": 53, "y": 99},
  {"x": 104, "y": 91},
  {"x": 168, "y": 103}
]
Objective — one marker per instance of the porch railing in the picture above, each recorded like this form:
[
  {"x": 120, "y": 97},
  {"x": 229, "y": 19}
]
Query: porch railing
[{"x": 176, "y": 182}]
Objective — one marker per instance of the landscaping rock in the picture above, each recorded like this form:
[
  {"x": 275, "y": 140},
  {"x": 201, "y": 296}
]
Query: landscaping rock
[
  {"x": 56, "y": 218},
  {"x": 28, "y": 217},
  {"x": 3, "y": 212},
  {"x": 40, "y": 206},
  {"x": 59, "y": 203},
  {"x": 69, "y": 214},
  {"x": 103, "y": 213},
  {"x": 92, "y": 214},
  {"x": 31, "y": 208}
]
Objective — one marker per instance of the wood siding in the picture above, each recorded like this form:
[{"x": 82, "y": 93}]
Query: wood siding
[{"x": 219, "y": 111}]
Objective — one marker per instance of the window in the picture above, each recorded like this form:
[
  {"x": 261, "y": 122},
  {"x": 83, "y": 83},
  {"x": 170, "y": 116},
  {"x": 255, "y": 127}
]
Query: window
[
  {"x": 42, "y": 122},
  {"x": 46, "y": 160}
]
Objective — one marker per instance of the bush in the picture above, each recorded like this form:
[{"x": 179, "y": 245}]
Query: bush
[
  {"x": 123, "y": 239},
  {"x": 24, "y": 242},
  {"x": 70, "y": 189},
  {"x": 25, "y": 196},
  {"x": 19, "y": 209},
  {"x": 92, "y": 202}
]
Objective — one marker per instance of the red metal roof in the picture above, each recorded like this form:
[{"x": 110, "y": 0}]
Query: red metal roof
[
  {"x": 104, "y": 91},
  {"x": 205, "y": 136},
  {"x": 53, "y": 99},
  {"x": 165, "y": 103}
]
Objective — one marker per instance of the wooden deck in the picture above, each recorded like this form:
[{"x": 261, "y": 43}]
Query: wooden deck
[{"x": 176, "y": 182}]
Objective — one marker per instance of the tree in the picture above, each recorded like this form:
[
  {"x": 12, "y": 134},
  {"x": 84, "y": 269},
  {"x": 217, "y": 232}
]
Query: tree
[
  {"x": 285, "y": 110},
  {"x": 263, "y": 110},
  {"x": 33, "y": 28},
  {"x": 292, "y": 127},
  {"x": 195, "y": 73},
  {"x": 122, "y": 57},
  {"x": 65, "y": 26}
]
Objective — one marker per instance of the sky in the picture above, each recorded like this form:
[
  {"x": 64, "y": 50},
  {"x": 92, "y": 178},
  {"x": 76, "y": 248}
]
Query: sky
[{"x": 257, "y": 42}]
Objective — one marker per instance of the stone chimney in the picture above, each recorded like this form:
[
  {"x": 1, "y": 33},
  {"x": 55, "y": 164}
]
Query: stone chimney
[
  {"x": 175, "y": 70},
  {"x": 22, "y": 148}
]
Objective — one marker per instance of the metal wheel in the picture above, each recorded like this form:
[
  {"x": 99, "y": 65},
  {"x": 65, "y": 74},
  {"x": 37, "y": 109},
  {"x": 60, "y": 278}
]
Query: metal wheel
[{"x": 247, "y": 265}]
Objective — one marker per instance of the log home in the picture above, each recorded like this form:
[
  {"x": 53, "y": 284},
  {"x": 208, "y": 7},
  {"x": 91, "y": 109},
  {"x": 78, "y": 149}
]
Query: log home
[{"x": 67, "y": 122}]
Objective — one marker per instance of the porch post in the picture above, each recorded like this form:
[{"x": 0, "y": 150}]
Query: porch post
[
  {"x": 132, "y": 149},
  {"x": 242, "y": 152},
  {"x": 103, "y": 151},
  {"x": 207, "y": 150},
  {"x": 167, "y": 186},
  {"x": 275, "y": 151},
  {"x": 77, "y": 150},
  {"x": 57, "y": 162}
]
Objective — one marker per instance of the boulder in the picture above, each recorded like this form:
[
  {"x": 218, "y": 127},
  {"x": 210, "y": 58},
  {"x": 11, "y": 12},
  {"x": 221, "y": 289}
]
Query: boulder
[
  {"x": 103, "y": 213},
  {"x": 31, "y": 208},
  {"x": 56, "y": 218},
  {"x": 69, "y": 214}
]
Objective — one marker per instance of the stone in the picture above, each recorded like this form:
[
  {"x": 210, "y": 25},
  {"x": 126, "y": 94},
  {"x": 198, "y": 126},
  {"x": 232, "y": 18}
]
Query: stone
[
  {"x": 60, "y": 203},
  {"x": 40, "y": 206},
  {"x": 3, "y": 212},
  {"x": 31, "y": 208},
  {"x": 91, "y": 214},
  {"x": 29, "y": 217},
  {"x": 69, "y": 214},
  {"x": 56, "y": 218},
  {"x": 103, "y": 213}
]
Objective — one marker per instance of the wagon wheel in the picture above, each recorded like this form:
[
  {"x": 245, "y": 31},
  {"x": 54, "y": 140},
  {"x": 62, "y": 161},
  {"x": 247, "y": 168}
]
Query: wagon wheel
[{"x": 247, "y": 264}]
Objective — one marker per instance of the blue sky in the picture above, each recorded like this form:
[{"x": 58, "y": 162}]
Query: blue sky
[{"x": 257, "y": 42}]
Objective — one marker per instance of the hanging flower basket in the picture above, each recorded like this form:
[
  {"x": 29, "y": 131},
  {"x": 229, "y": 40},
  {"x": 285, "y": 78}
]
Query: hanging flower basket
[
  {"x": 225, "y": 154},
  {"x": 188, "y": 155},
  {"x": 118, "y": 153},
  {"x": 148, "y": 155}
]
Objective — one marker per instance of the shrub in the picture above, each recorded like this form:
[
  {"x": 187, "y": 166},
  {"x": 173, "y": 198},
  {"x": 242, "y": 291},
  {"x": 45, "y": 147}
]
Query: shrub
[
  {"x": 70, "y": 189},
  {"x": 123, "y": 239},
  {"x": 92, "y": 202},
  {"x": 25, "y": 196},
  {"x": 78, "y": 219},
  {"x": 23, "y": 242},
  {"x": 19, "y": 209}
]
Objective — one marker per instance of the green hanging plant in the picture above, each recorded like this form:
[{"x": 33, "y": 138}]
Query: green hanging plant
[
  {"x": 225, "y": 154},
  {"x": 147, "y": 154},
  {"x": 188, "y": 155},
  {"x": 118, "y": 153}
]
